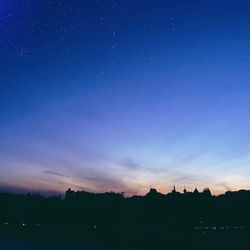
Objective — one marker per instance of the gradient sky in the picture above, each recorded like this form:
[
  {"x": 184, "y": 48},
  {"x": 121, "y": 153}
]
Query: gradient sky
[{"x": 124, "y": 95}]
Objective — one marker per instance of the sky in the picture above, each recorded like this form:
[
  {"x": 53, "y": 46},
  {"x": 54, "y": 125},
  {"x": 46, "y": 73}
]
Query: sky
[{"x": 118, "y": 95}]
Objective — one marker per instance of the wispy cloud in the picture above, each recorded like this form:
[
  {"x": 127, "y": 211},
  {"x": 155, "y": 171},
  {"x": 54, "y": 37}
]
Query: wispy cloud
[
  {"x": 54, "y": 173},
  {"x": 129, "y": 163}
]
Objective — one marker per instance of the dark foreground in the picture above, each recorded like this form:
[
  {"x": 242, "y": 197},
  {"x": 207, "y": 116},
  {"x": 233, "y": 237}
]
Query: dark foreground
[
  {"x": 61, "y": 238},
  {"x": 111, "y": 221}
]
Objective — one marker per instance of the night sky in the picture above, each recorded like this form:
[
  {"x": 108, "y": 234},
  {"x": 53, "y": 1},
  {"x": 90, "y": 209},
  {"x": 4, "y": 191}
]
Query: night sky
[{"x": 124, "y": 95}]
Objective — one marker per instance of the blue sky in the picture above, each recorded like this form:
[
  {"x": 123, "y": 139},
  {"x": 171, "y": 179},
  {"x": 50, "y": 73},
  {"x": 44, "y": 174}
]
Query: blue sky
[{"x": 124, "y": 95}]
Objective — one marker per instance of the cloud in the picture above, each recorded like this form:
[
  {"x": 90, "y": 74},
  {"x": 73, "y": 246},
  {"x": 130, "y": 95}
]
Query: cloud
[
  {"x": 224, "y": 185},
  {"x": 188, "y": 178},
  {"x": 100, "y": 180},
  {"x": 54, "y": 173},
  {"x": 129, "y": 163}
]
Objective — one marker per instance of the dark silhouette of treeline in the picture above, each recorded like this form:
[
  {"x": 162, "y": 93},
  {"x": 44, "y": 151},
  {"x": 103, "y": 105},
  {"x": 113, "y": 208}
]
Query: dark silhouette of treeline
[{"x": 175, "y": 219}]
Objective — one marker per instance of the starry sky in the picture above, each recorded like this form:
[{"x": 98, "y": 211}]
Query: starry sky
[{"x": 121, "y": 95}]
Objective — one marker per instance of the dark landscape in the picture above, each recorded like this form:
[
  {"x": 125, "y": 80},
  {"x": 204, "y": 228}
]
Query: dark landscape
[{"x": 190, "y": 220}]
